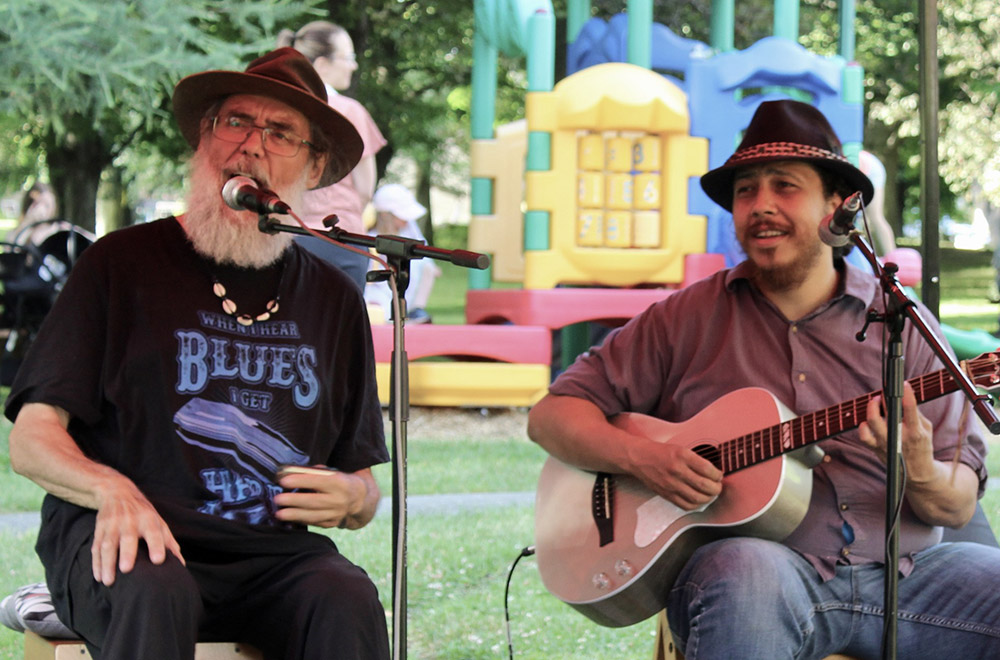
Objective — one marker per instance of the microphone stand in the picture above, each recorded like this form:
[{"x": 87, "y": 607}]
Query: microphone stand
[
  {"x": 898, "y": 309},
  {"x": 399, "y": 252}
]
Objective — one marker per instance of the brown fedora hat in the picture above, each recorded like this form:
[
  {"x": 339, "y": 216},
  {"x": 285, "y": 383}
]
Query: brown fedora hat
[
  {"x": 785, "y": 130},
  {"x": 287, "y": 76}
]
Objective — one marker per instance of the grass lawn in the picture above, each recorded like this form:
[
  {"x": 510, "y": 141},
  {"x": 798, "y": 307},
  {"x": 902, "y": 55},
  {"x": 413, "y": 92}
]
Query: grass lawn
[
  {"x": 967, "y": 291},
  {"x": 458, "y": 561}
]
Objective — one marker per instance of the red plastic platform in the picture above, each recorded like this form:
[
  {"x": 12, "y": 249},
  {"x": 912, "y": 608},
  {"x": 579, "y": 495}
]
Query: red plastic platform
[
  {"x": 489, "y": 365},
  {"x": 557, "y": 308},
  {"x": 910, "y": 262},
  {"x": 504, "y": 343}
]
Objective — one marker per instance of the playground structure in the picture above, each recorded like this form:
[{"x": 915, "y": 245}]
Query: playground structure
[{"x": 592, "y": 202}]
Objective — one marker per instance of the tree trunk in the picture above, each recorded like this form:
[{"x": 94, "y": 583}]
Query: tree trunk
[
  {"x": 888, "y": 153},
  {"x": 423, "y": 195},
  {"x": 75, "y": 164},
  {"x": 114, "y": 202}
]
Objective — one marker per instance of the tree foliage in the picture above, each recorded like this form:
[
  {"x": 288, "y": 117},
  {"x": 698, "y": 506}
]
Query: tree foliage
[
  {"x": 888, "y": 47},
  {"x": 87, "y": 81},
  {"x": 415, "y": 70}
]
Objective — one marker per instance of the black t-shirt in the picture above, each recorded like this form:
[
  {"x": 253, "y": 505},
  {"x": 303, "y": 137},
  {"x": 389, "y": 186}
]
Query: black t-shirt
[{"x": 198, "y": 410}]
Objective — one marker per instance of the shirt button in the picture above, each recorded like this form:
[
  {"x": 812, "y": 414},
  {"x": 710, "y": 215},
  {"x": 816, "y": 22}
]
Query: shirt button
[
  {"x": 795, "y": 328},
  {"x": 843, "y": 507},
  {"x": 845, "y": 552},
  {"x": 827, "y": 458},
  {"x": 802, "y": 378}
]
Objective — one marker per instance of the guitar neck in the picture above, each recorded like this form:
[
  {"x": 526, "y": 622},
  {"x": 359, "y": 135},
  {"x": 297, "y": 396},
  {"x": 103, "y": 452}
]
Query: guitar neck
[{"x": 773, "y": 441}]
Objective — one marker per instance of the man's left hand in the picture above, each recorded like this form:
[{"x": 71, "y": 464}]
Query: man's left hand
[
  {"x": 326, "y": 498},
  {"x": 917, "y": 436},
  {"x": 938, "y": 492}
]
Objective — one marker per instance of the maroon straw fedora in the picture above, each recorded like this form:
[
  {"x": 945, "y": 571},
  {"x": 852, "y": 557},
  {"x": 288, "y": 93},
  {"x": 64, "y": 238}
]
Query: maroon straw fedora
[
  {"x": 785, "y": 130},
  {"x": 283, "y": 74}
]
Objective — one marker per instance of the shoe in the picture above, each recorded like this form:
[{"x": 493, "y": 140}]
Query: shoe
[{"x": 418, "y": 316}]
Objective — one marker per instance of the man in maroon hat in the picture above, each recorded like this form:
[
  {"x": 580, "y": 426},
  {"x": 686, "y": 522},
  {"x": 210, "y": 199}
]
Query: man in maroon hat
[
  {"x": 785, "y": 320},
  {"x": 181, "y": 383}
]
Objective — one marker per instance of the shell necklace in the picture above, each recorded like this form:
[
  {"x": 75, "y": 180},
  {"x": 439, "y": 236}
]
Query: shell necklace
[{"x": 229, "y": 307}]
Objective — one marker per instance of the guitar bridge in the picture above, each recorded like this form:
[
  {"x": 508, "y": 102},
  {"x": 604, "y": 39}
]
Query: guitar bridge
[{"x": 602, "y": 504}]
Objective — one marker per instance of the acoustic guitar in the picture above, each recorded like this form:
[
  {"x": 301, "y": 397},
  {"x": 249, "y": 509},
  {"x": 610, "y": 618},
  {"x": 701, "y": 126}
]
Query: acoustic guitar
[{"x": 611, "y": 548}]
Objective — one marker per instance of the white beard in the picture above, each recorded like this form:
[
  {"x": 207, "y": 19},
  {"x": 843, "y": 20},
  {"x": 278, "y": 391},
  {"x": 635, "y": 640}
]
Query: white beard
[{"x": 222, "y": 234}]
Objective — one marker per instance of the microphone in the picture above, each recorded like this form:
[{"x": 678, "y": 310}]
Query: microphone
[
  {"x": 836, "y": 228},
  {"x": 242, "y": 193}
]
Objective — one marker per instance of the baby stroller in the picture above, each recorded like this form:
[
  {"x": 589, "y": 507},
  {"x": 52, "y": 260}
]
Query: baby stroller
[{"x": 34, "y": 265}]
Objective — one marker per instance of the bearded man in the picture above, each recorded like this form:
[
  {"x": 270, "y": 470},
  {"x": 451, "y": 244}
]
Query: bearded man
[
  {"x": 786, "y": 320},
  {"x": 186, "y": 366}
]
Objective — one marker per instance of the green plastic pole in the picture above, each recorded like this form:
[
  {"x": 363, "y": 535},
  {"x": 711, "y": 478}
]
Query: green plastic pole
[
  {"x": 640, "y": 26},
  {"x": 484, "y": 87},
  {"x": 723, "y": 24},
  {"x": 786, "y": 19},
  {"x": 481, "y": 115},
  {"x": 846, "y": 12},
  {"x": 577, "y": 13},
  {"x": 541, "y": 51}
]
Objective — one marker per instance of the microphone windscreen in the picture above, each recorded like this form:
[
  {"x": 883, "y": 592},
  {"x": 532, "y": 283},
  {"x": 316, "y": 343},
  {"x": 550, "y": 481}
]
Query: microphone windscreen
[{"x": 231, "y": 191}]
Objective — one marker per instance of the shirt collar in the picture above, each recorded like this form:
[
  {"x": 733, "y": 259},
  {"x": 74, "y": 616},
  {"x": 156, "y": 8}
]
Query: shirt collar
[
  {"x": 856, "y": 282},
  {"x": 859, "y": 283}
]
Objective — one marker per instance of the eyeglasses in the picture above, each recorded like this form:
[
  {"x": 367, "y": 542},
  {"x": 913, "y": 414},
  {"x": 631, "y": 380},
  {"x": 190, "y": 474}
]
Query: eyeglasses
[{"x": 277, "y": 142}]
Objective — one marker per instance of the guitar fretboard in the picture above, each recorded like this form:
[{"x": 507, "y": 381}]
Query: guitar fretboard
[{"x": 767, "y": 443}]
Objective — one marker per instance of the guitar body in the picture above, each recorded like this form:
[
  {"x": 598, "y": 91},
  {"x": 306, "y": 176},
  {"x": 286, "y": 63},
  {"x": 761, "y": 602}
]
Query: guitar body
[{"x": 627, "y": 580}]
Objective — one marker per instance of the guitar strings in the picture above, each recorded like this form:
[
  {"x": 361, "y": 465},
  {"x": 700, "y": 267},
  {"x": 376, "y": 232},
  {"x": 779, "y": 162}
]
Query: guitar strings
[{"x": 741, "y": 452}]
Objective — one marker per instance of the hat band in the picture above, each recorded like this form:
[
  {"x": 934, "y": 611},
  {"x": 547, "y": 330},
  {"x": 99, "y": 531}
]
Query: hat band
[{"x": 778, "y": 150}]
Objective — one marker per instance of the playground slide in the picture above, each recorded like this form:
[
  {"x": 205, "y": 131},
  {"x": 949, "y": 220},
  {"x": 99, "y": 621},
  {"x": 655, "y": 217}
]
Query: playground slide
[{"x": 969, "y": 343}]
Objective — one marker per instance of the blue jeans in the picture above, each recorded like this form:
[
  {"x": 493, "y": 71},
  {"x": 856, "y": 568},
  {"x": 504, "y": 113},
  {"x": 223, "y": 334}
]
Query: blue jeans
[
  {"x": 352, "y": 263},
  {"x": 753, "y": 599}
]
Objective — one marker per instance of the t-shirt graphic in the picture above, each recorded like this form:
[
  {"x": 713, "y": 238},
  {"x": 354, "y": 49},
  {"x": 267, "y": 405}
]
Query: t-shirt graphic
[{"x": 251, "y": 452}]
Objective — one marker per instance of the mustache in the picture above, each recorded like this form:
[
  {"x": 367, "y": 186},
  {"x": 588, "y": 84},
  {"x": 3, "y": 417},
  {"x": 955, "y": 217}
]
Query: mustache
[
  {"x": 249, "y": 172},
  {"x": 767, "y": 225}
]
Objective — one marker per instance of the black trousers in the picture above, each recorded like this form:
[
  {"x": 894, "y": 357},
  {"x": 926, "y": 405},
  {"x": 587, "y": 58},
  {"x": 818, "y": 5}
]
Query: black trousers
[{"x": 313, "y": 606}]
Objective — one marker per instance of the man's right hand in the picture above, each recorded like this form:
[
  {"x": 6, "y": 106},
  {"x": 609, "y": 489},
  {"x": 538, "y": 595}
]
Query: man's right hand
[
  {"x": 575, "y": 431},
  {"x": 679, "y": 475},
  {"x": 42, "y": 450},
  {"x": 124, "y": 517}
]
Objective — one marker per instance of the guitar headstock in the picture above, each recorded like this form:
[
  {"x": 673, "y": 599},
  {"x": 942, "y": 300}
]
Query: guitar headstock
[{"x": 984, "y": 370}]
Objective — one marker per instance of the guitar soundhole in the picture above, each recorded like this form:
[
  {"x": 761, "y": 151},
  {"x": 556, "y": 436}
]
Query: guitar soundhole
[{"x": 710, "y": 453}]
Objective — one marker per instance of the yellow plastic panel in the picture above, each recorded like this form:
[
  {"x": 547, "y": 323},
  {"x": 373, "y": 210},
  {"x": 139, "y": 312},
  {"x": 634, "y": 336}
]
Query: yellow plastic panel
[
  {"x": 618, "y": 154},
  {"x": 647, "y": 192},
  {"x": 624, "y": 105},
  {"x": 491, "y": 384},
  {"x": 591, "y": 190},
  {"x": 591, "y": 152},
  {"x": 646, "y": 229},
  {"x": 590, "y": 228},
  {"x": 618, "y": 229},
  {"x": 619, "y": 191},
  {"x": 646, "y": 154},
  {"x": 501, "y": 234}
]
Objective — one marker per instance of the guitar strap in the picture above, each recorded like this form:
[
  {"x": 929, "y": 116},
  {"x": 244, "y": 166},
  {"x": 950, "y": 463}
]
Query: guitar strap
[{"x": 602, "y": 504}]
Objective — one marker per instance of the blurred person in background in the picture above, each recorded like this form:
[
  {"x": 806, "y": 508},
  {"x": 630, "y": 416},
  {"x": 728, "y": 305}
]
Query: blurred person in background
[
  {"x": 330, "y": 50},
  {"x": 37, "y": 205},
  {"x": 396, "y": 213}
]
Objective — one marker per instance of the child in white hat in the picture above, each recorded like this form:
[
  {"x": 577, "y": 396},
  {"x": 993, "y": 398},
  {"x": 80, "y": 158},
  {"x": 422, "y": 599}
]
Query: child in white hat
[{"x": 396, "y": 213}]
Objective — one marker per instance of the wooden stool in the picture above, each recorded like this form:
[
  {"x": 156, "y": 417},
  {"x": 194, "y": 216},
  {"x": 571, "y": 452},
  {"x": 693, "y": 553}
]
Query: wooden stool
[
  {"x": 41, "y": 648},
  {"x": 665, "y": 647},
  {"x": 667, "y": 650}
]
